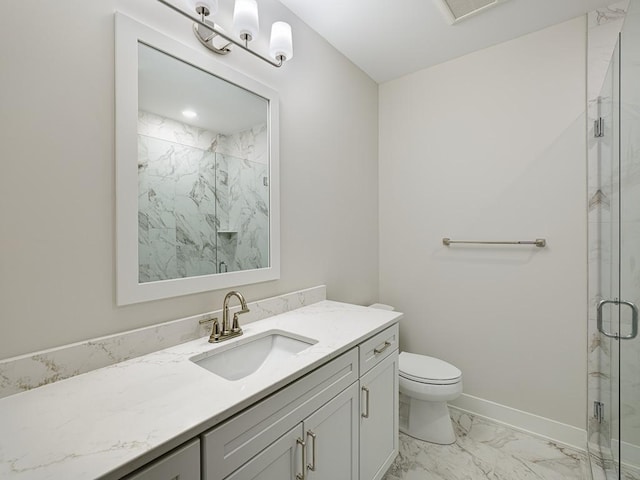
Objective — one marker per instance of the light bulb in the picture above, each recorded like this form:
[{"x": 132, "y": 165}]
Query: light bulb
[
  {"x": 281, "y": 44},
  {"x": 210, "y": 6},
  {"x": 245, "y": 19}
]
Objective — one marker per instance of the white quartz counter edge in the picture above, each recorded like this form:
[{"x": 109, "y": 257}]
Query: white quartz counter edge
[{"x": 109, "y": 422}]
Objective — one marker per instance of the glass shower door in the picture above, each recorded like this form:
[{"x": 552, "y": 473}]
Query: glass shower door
[
  {"x": 626, "y": 351},
  {"x": 619, "y": 246},
  {"x": 607, "y": 131}
]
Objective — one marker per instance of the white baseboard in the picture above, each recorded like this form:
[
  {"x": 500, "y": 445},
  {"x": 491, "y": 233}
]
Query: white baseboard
[{"x": 528, "y": 422}]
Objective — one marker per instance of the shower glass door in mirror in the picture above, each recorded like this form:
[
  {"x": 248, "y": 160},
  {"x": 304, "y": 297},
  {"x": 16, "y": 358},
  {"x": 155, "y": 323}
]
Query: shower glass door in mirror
[{"x": 203, "y": 177}]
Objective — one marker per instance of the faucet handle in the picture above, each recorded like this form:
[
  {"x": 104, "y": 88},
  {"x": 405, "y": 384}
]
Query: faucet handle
[
  {"x": 235, "y": 325},
  {"x": 215, "y": 331}
]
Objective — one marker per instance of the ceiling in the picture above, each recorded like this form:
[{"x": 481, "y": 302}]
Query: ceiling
[
  {"x": 391, "y": 38},
  {"x": 167, "y": 87}
]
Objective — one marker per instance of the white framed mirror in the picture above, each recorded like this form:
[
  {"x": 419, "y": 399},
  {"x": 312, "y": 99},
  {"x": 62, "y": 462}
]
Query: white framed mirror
[{"x": 197, "y": 204}]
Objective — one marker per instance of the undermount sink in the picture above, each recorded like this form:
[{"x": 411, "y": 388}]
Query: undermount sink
[{"x": 263, "y": 352}]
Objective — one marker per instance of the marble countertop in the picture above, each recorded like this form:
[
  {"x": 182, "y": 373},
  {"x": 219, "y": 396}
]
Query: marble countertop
[{"x": 109, "y": 422}]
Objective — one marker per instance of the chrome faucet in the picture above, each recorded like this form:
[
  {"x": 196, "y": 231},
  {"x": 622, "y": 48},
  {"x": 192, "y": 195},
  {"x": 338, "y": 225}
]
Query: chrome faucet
[{"x": 228, "y": 330}]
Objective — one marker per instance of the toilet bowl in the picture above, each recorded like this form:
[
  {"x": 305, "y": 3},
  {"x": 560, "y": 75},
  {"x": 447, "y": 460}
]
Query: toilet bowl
[{"x": 428, "y": 383}]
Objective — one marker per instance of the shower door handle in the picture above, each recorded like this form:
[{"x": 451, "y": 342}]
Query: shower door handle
[{"x": 634, "y": 319}]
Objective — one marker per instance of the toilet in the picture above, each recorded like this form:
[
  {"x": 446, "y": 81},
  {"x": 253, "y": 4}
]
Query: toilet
[{"x": 426, "y": 385}]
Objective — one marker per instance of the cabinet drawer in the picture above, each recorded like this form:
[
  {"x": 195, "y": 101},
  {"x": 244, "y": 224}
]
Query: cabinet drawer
[
  {"x": 230, "y": 445},
  {"x": 377, "y": 348},
  {"x": 181, "y": 464}
]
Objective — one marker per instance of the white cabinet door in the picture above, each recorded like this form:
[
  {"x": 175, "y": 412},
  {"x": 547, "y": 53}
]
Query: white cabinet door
[
  {"x": 379, "y": 418},
  {"x": 331, "y": 436},
  {"x": 230, "y": 445},
  {"x": 282, "y": 460},
  {"x": 181, "y": 464}
]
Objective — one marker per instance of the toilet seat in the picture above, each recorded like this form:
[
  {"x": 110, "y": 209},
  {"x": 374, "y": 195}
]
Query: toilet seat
[{"x": 427, "y": 370}]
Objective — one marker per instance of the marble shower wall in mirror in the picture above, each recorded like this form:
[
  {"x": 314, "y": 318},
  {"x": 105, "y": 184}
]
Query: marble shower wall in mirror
[
  {"x": 197, "y": 170},
  {"x": 202, "y": 199}
]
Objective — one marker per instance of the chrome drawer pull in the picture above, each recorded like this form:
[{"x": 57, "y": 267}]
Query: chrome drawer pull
[
  {"x": 365, "y": 414},
  {"x": 302, "y": 476},
  {"x": 312, "y": 465},
  {"x": 382, "y": 349}
]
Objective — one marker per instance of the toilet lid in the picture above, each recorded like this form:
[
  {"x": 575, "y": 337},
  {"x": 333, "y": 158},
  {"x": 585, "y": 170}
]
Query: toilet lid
[{"x": 423, "y": 369}]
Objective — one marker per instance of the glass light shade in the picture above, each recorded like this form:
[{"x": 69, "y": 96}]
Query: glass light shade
[
  {"x": 245, "y": 18},
  {"x": 211, "y": 5},
  {"x": 281, "y": 41}
]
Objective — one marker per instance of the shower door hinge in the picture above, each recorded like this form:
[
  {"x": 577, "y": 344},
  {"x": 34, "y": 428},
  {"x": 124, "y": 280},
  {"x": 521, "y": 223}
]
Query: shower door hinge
[
  {"x": 598, "y": 127},
  {"x": 598, "y": 411}
]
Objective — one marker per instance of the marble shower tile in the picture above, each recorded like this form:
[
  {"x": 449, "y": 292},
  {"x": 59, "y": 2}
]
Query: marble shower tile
[
  {"x": 188, "y": 261},
  {"x": 160, "y": 206},
  {"x": 193, "y": 229},
  {"x": 603, "y": 27},
  {"x": 222, "y": 191},
  {"x": 199, "y": 185},
  {"x": 162, "y": 254},
  {"x": 249, "y": 212},
  {"x": 252, "y": 144},
  {"x": 156, "y": 126},
  {"x": 177, "y": 185},
  {"x": 226, "y": 250}
]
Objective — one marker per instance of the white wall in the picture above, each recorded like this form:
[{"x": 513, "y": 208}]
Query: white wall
[
  {"x": 492, "y": 146},
  {"x": 57, "y": 188}
]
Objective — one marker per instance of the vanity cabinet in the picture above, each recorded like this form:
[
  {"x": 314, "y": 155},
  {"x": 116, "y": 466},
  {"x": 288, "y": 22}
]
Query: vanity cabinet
[
  {"x": 378, "y": 360},
  {"x": 322, "y": 447},
  {"x": 331, "y": 438},
  {"x": 181, "y": 464},
  {"x": 303, "y": 404},
  {"x": 339, "y": 422},
  {"x": 379, "y": 418}
]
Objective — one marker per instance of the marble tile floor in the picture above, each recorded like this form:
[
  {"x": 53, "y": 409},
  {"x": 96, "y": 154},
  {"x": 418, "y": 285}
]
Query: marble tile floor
[{"x": 487, "y": 450}]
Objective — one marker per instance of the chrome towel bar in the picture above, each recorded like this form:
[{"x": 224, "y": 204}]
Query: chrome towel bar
[{"x": 538, "y": 242}]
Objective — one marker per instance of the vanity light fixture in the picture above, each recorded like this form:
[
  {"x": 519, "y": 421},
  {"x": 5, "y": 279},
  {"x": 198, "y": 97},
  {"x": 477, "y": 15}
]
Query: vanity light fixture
[
  {"x": 189, "y": 114},
  {"x": 245, "y": 29}
]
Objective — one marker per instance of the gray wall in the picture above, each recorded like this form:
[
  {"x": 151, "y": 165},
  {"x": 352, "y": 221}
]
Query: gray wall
[
  {"x": 57, "y": 188},
  {"x": 492, "y": 146}
]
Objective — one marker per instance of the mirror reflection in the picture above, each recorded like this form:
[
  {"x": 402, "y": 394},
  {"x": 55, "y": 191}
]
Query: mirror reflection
[{"x": 203, "y": 172}]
